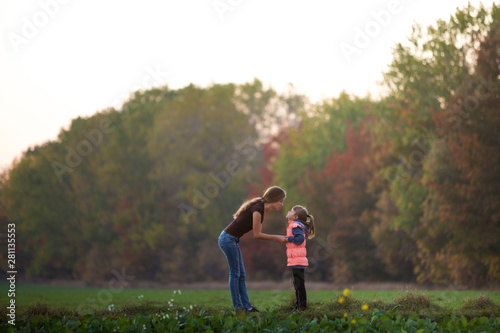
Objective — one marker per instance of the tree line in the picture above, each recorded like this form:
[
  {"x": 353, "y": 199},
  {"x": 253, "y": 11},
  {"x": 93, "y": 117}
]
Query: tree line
[{"x": 404, "y": 188}]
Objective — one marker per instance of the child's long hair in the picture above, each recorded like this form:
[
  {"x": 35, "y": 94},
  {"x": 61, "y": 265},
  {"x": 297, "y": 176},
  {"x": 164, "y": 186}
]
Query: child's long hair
[
  {"x": 305, "y": 218},
  {"x": 271, "y": 195}
]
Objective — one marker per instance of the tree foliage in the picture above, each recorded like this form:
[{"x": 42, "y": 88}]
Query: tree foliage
[
  {"x": 462, "y": 173},
  {"x": 403, "y": 188},
  {"x": 147, "y": 188}
]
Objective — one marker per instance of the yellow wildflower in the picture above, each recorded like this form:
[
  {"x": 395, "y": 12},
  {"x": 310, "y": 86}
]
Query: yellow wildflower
[
  {"x": 346, "y": 292},
  {"x": 353, "y": 321},
  {"x": 345, "y": 315},
  {"x": 364, "y": 307},
  {"x": 341, "y": 300}
]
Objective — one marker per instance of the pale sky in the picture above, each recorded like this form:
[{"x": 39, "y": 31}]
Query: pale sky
[{"x": 61, "y": 59}]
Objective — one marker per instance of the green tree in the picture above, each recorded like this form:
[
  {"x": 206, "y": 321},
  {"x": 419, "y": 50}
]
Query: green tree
[{"x": 42, "y": 209}]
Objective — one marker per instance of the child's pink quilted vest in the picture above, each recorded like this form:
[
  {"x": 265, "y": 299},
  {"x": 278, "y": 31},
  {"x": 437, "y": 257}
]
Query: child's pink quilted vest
[{"x": 296, "y": 253}]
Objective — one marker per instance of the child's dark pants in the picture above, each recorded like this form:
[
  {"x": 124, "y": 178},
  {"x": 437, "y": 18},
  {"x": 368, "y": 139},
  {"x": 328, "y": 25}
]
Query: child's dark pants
[{"x": 300, "y": 288}]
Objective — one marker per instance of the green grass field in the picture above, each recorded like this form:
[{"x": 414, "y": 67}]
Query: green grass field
[
  {"x": 69, "y": 309},
  {"x": 97, "y": 298}
]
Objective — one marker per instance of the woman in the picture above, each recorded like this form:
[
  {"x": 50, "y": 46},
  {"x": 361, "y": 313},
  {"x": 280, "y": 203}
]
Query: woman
[{"x": 249, "y": 216}]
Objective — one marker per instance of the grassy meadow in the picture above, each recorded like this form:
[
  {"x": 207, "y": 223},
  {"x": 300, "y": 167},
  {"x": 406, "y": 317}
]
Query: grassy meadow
[
  {"x": 75, "y": 309},
  {"x": 75, "y": 298}
]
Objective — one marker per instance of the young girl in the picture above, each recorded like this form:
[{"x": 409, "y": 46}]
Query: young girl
[
  {"x": 249, "y": 216},
  {"x": 300, "y": 227}
]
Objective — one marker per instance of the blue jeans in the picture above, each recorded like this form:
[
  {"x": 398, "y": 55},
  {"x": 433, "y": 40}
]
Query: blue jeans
[{"x": 237, "y": 286}]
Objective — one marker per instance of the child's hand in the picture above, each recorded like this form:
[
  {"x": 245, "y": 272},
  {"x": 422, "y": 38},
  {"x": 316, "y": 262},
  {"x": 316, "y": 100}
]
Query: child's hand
[{"x": 284, "y": 240}]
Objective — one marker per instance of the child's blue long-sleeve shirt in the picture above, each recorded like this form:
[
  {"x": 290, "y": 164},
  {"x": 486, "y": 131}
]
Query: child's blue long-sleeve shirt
[{"x": 298, "y": 236}]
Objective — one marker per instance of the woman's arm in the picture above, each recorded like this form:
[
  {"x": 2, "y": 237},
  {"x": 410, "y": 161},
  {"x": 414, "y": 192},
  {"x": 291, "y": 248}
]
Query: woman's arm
[{"x": 258, "y": 234}]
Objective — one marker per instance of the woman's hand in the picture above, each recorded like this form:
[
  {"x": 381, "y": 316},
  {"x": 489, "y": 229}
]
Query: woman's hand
[{"x": 284, "y": 240}]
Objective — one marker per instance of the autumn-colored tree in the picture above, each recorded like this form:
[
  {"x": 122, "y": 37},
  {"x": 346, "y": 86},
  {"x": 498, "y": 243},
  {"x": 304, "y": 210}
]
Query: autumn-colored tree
[
  {"x": 424, "y": 75},
  {"x": 308, "y": 145},
  {"x": 463, "y": 174},
  {"x": 340, "y": 199}
]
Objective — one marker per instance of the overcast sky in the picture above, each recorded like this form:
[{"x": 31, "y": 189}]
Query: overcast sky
[{"x": 61, "y": 59}]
